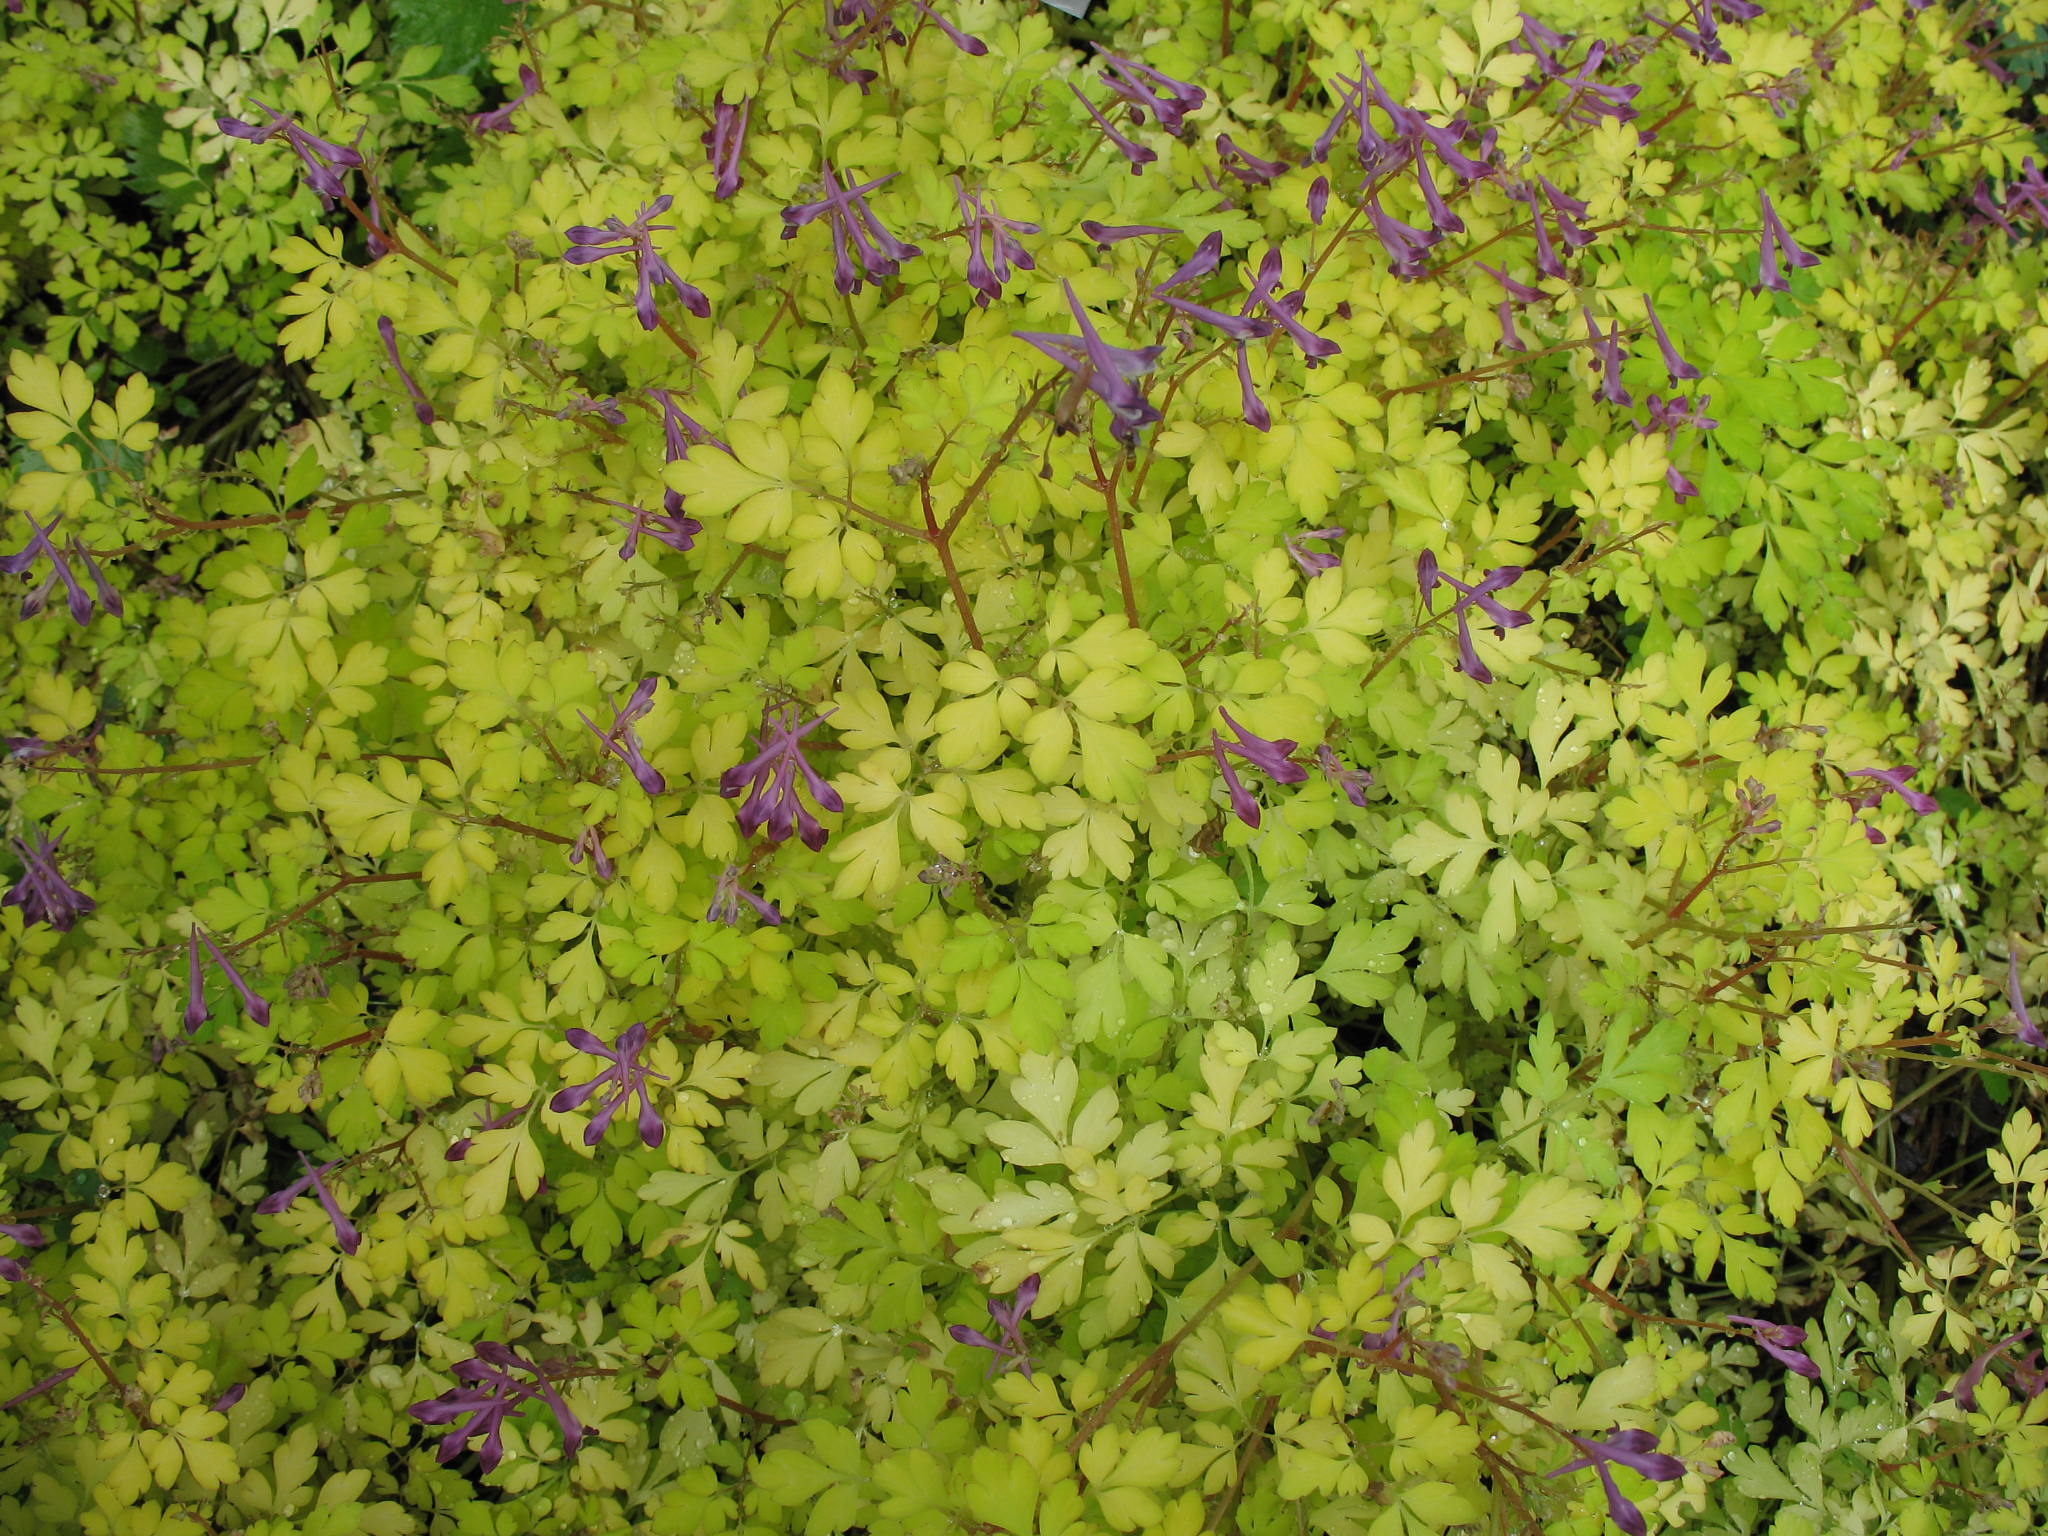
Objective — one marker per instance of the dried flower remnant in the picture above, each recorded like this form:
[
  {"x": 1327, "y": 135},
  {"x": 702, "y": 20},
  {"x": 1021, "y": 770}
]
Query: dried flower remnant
[
  {"x": 1781, "y": 1342},
  {"x": 490, "y": 1397},
  {"x": 1275, "y": 758},
  {"x": 1479, "y": 595},
  {"x": 345, "y": 1233},
  {"x": 588, "y": 243},
  {"x": 422, "y": 408},
  {"x": 625, "y": 1076},
  {"x": 196, "y": 1010},
  {"x": 325, "y": 163},
  {"x": 590, "y": 843},
  {"x": 856, "y": 232},
  {"x": 1314, "y": 562},
  {"x": 1101, "y": 370},
  {"x": 39, "y": 547},
  {"x": 1777, "y": 244},
  {"x": 499, "y": 119},
  {"x": 726, "y": 139},
  {"x": 989, "y": 265},
  {"x": 1009, "y": 1318},
  {"x": 730, "y": 896},
  {"x": 624, "y": 744},
  {"x": 769, "y": 781},
  {"x": 1635, "y": 1449},
  {"x": 42, "y": 892}
]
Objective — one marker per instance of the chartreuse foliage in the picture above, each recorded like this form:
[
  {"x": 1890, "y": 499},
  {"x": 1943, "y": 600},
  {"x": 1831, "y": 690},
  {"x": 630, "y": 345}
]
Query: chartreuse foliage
[{"x": 1364, "y": 1158}]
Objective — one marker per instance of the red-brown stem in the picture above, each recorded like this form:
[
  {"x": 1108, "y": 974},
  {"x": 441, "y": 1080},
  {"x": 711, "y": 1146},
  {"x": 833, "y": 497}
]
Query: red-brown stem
[
  {"x": 131, "y": 1398},
  {"x": 390, "y": 238},
  {"x": 941, "y": 541},
  {"x": 306, "y": 906},
  {"x": 511, "y": 826},
  {"x": 677, "y": 337},
  {"x": 1228, "y": 41},
  {"x": 1228, "y": 1506},
  {"x": 1116, "y": 533},
  {"x": 996, "y": 457},
  {"x": 1892, "y": 346}
]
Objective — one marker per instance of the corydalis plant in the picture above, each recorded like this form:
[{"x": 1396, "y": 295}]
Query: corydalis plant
[
  {"x": 626, "y": 1077},
  {"x": 726, "y": 139},
  {"x": 40, "y": 547},
  {"x": 1009, "y": 1347},
  {"x": 1635, "y": 1449},
  {"x": 196, "y": 1010},
  {"x": 769, "y": 781},
  {"x": 499, "y": 119},
  {"x": 42, "y": 892},
  {"x": 1101, "y": 370},
  {"x": 856, "y": 232},
  {"x": 1479, "y": 595},
  {"x": 422, "y": 408},
  {"x": 490, "y": 1397},
  {"x": 1781, "y": 1342},
  {"x": 588, "y": 243},
  {"x": 1274, "y": 758},
  {"x": 621, "y": 742},
  {"x": 730, "y": 896},
  {"x": 993, "y": 250},
  {"x": 345, "y": 1233},
  {"x": 325, "y": 163}
]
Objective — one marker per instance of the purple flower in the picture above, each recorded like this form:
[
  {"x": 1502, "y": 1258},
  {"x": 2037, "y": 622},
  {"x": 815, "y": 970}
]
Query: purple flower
[
  {"x": 769, "y": 780},
  {"x": 1407, "y": 246},
  {"x": 856, "y": 231},
  {"x": 2022, "y": 1026},
  {"x": 1256, "y": 415},
  {"x": 1276, "y": 758},
  {"x": 1147, "y": 90},
  {"x": 196, "y": 1011},
  {"x": 1777, "y": 242},
  {"x": 1246, "y": 166},
  {"x": 623, "y": 744},
  {"x": 1590, "y": 101},
  {"x": 42, "y": 892},
  {"x": 1668, "y": 416},
  {"x": 1516, "y": 290},
  {"x": 967, "y": 44},
  {"x": 588, "y": 243},
  {"x": 1318, "y": 199},
  {"x": 39, "y": 547},
  {"x": 1781, "y": 1342},
  {"x": 988, "y": 271},
  {"x": 730, "y": 894},
  {"x": 1351, "y": 782},
  {"x": 1965, "y": 1389},
  {"x": 1635, "y": 1449},
  {"x": 1101, "y": 370},
  {"x": 1109, "y": 234},
  {"x": 499, "y": 119},
  {"x": 591, "y": 843},
  {"x": 232, "y": 1396},
  {"x": 1136, "y": 153},
  {"x": 459, "y": 1150},
  {"x": 420, "y": 405},
  {"x": 27, "y": 749},
  {"x": 1703, "y": 37},
  {"x": 1607, "y": 349},
  {"x": 1752, "y": 804},
  {"x": 1679, "y": 369},
  {"x": 580, "y": 404},
  {"x": 345, "y": 1233},
  {"x": 670, "y": 526},
  {"x": 726, "y": 138},
  {"x": 1314, "y": 562},
  {"x": 1285, "y": 310},
  {"x": 625, "y": 1076},
  {"x": 48, "y": 1383},
  {"x": 1682, "y": 488},
  {"x": 324, "y": 162},
  {"x": 679, "y": 433},
  {"x": 1895, "y": 780},
  {"x": 1208, "y": 256},
  {"x": 1567, "y": 209},
  {"x": 26, "y": 1233},
  {"x": 1479, "y": 596},
  {"x": 1544, "y": 44},
  {"x": 492, "y": 1397},
  {"x": 1510, "y": 338},
  {"x": 1009, "y": 1322}
]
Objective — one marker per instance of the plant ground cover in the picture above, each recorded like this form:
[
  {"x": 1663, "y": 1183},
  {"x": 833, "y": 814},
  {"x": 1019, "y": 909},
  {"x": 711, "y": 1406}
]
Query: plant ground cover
[{"x": 907, "y": 767}]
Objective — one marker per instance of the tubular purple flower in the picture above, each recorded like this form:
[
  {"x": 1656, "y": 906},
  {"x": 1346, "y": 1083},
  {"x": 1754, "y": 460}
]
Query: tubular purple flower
[
  {"x": 727, "y": 899},
  {"x": 1965, "y": 1389},
  {"x": 1246, "y": 166},
  {"x": 1781, "y": 1342},
  {"x": 588, "y": 243},
  {"x": 1429, "y": 574},
  {"x": 1009, "y": 1321},
  {"x": 964, "y": 42},
  {"x": 2022, "y": 1026},
  {"x": 1778, "y": 242},
  {"x": 1318, "y": 200},
  {"x": 769, "y": 780},
  {"x": 491, "y": 1397},
  {"x": 1275, "y": 758},
  {"x": 345, "y": 1233},
  {"x": 1898, "y": 780},
  {"x": 42, "y": 892},
  {"x": 590, "y": 842},
  {"x": 1167, "y": 99},
  {"x": 1352, "y": 783},
  {"x": 1136, "y": 153},
  {"x": 1589, "y": 100},
  {"x": 1407, "y": 246},
  {"x": 1682, "y": 487},
  {"x": 40, "y": 546},
  {"x": 1314, "y": 562},
  {"x": 1442, "y": 221},
  {"x": 670, "y": 526},
  {"x": 856, "y": 231},
  {"x": 1256, "y": 416},
  {"x": 1752, "y": 804},
  {"x": 1102, "y": 370},
  {"x": 1208, "y": 256},
  {"x": 623, "y": 744},
  {"x": 1236, "y": 327},
  {"x": 1544, "y": 44},
  {"x": 459, "y": 1150},
  {"x": 1703, "y": 37},
  {"x": 421, "y": 408},
  {"x": 1510, "y": 338},
  {"x": 47, "y": 1384},
  {"x": 323, "y": 162},
  {"x": 499, "y": 119},
  {"x": 1567, "y": 209},
  {"x": 1607, "y": 349},
  {"x": 232, "y": 1396},
  {"x": 1520, "y": 292},
  {"x": 1632, "y": 1448},
  {"x": 1285, "y": 310},
  {"x": 26, "y": 1233},
  {"x": 196, "y": 1011},
  {"x": 988, "y": 271},
  {"x": 726, "y": 140},
  {"x": 625, "y": 1076},
  {"x": 1679, "y": 369}
]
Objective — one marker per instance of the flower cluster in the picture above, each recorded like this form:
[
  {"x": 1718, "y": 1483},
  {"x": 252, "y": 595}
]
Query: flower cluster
[
  {"x": 588, "y": 243},
  {"x": 490, "y": 1397},
  {"x": 626, "y": 1077},
  {"x": 42, "y": 892}
]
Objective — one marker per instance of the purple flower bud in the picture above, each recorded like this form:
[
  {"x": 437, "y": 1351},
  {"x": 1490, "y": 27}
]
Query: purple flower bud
[
  {"x": 1429, "y": 575},
  {"x": 345, "y": 1233},
  {"x": 1208, "y": 256},
  {"x": 1009, "y": 1320},
  {"x": 1246, "y": 166},
  {"x": 1318, "y": 199},
  {"x": 973, "y": 46},
  {"x": 2022, "y": 1024},
  {"x": 1314, "y": 562},
  {"x": 1898, "y": 780},
  {"x": 729, "y": 896},
  {"x": 232, "y": 1396},
  {"x": 1682, "y": 488},
  {"x": 1781, "y": 1342},
  {"x": 625, "y": 1076},
  {"x": 1110, "y": 234},
  {"x": 590, "y": 842},
  {"x": 1778, "y": 242},
  {"x": 1679, "y": 369},
  {"x": 1256, "y": 416},
  {"x": 1147, "y": 90},
  {"x": 1275, "y": 758},
  {"x": 421, "y": 408},
  {"x": 623, "y": 744},
  {"x": 26, "y": 1233},
  {"x": 499, "y": 119},
  {"x": 726, "y": 139},
  {"x": 459, "y": 1150},
  {"x": 769, "y": 781},
  {"x": 988, "y": 269},
  {"x": 1607, "y": 349},
  {"x": 257, "y": 1010},
  {"x": 1138, "y": 155},
  {"x": 1407, "y": 246},
  {"x": 1965, "y": 1389},
  {"x": 588, "y": 243}
]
